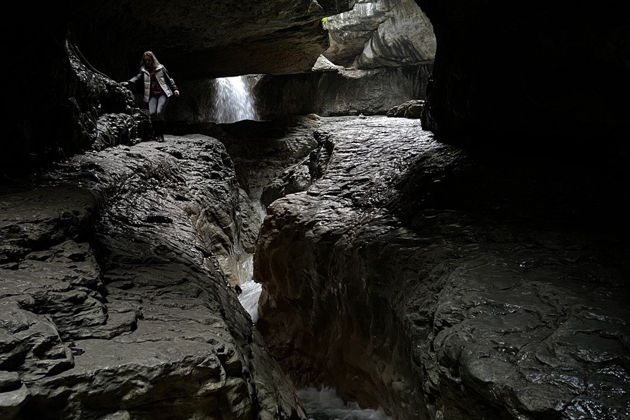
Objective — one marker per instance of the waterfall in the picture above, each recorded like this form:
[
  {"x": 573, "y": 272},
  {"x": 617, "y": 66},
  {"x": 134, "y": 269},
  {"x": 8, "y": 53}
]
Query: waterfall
[
  {"x": 233, "y": 100},
  {"x": 250, "y": 290},
  {"x": 325, "y": 404}
]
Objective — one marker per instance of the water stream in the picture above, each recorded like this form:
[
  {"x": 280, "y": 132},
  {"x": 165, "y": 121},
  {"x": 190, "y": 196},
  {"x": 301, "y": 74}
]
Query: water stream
[
  {"x": 250, "y": 290},
  {"x": 322, "y": 404},
  {"x": 233, "y": 100},
  {"x": 325, "y": 404}
]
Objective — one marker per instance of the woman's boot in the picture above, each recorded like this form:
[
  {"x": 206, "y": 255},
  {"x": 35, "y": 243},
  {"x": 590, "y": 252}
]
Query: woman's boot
[
  {"x": 159, "y": 130},
  {"x": 154, "y": 128}
]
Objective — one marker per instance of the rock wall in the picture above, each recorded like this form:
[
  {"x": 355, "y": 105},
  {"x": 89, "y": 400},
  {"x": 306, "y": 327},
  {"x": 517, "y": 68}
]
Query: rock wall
[
  {"x": 381, "y": 33},
  {"x": 443, "y": 284},
  {"x": 61, "y": 105},
  {"x": 532, "y": 74},
  {"x": 55, "y": 100},
  {"x": 388, "y": 47},
  {"x": 380, "y": 56},
  {"x": 113, "y": 299},
  {"x": 340, "y": 92},
  {"x": 204, "y": 38},
  {"x": 406, "y": 37}
]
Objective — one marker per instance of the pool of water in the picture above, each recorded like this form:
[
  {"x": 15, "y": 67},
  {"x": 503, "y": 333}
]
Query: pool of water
[{"x": 325, "y": 404}]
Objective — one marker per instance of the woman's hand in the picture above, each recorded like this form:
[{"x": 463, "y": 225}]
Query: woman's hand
[{"x": 176, "y": 93}]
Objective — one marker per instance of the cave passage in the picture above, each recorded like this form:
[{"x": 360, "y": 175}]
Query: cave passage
[{"x": 342, "y": 222}]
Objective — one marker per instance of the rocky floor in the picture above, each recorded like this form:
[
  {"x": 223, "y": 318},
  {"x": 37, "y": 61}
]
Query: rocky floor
[
  {"x": 113, "y": 300},
  {"x": 409, "y": 274},
  {"x": 441, "y": 284}
]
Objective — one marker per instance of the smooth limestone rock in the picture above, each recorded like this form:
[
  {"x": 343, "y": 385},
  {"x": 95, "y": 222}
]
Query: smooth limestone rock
[
  {"x": 350, "y": 31},
  {"x": 380, "y": 33},
  {"x": 439, "y": 284},
  {"x": 112, "y": 297},
  {"x": 395, "y": 45},
  {"x": 324, "y": 64},
  {"x": 405, "y": 37},
  {"x": 380, "y": 56}
]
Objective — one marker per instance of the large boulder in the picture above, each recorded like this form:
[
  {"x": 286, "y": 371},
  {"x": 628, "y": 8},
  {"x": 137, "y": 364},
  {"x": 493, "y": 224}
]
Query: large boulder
[
  {"x": 114, "y": 297},
  {"x": 409, "y": 109},
  {"x": 377, "y": 33}
]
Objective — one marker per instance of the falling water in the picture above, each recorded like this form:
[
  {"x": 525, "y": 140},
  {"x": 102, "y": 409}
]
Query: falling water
[
  {"x": 233, "y": 100},
  {"x": 325, "y": 404},
  {"x": 320, "y": 404},
  {"x": 250, "y": 290}
]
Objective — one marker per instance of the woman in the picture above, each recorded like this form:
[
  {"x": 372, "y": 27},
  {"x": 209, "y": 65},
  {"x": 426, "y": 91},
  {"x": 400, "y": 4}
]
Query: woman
[{"x": 158, "y": 87}]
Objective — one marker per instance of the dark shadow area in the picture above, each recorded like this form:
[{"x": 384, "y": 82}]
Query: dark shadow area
[{"x": 549, "y": 72}]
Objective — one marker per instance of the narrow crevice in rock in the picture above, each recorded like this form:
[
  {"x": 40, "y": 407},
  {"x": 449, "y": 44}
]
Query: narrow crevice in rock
[
  {"x": 476, "y": 271},
  {"x": 395, "y": 280}
]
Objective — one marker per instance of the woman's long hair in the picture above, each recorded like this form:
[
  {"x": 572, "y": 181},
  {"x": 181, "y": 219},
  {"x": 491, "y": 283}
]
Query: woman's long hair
[{"x": 149, "y": 61}]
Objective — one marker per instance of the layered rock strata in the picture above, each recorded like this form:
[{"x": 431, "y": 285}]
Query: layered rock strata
[
  {"x": 204, "y": 38},
  {"x": 380, "y": 56},
  {"x": 380, "y": 33},
  {"x": 113, "y": 300},
  {"x": 341, "y": 92},
  {"x": 436, "y": 283}
]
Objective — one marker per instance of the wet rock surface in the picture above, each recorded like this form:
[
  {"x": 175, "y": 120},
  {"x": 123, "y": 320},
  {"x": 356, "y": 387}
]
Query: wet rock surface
[
  {"x": 112, "y": 297},
  {"x": 262, "y": 150},
  {"x": 438, "y": 283}
]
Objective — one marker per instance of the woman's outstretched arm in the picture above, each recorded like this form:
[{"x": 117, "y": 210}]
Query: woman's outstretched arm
[
  {"x": 171, "y": 82},
  {"x": 133, "y": 80}
]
